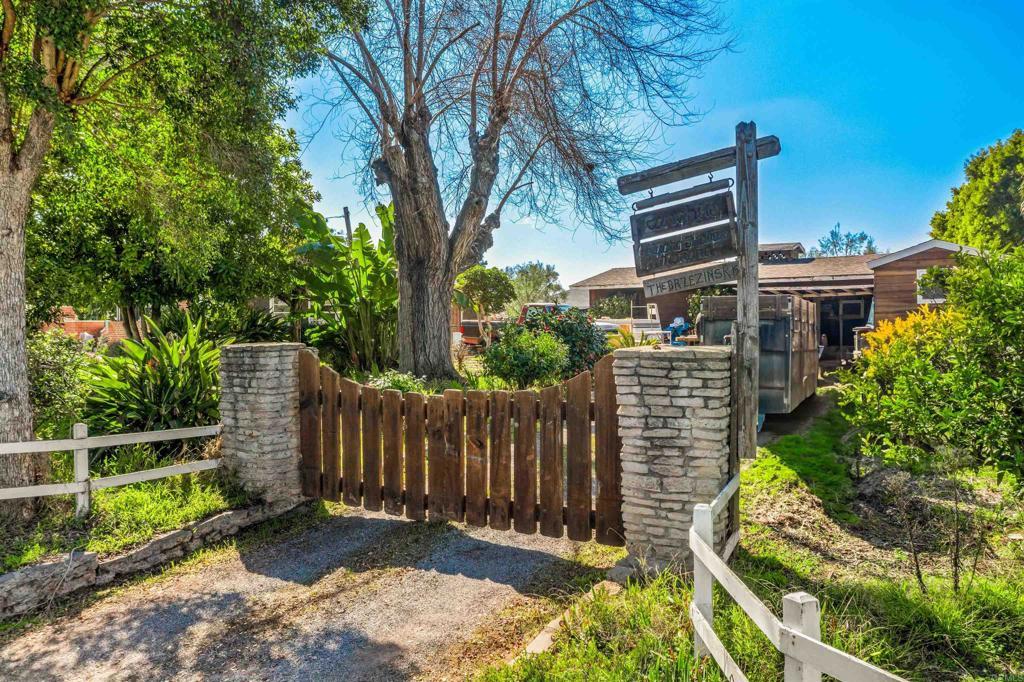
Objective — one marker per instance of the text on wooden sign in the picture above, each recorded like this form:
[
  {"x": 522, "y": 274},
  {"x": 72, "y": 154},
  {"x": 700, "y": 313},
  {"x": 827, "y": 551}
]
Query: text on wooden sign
[
  {"x": 710, "y": 209},
  {"x": 697, "y": 278},
  {"x": 688, "y": 248}
]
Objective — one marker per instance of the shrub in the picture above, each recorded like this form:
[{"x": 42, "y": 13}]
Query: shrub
[
  {"x": 617, "y": 307},
  {"x": 227, "y": 322},
  {"x": 163, "y": 382},
  {"x": 946, "y": 387},
  {"x": 399, "y": 381},
  {"x": 584, "y": 341},
  {"x": 523, "y": 358},
  {"x": 56, "y": 389}
]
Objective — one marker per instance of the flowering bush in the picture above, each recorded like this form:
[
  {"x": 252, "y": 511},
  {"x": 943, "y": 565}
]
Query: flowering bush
[{"x": 584, "y": 341}]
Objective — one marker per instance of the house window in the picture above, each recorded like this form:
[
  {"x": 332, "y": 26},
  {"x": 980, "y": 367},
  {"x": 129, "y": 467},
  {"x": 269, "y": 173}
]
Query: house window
[
  {"x": 933, "y": 294},
  {"x": 849, "y": 309}
]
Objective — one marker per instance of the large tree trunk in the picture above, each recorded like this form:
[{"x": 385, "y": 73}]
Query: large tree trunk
[
  {"x": 15, "y": 409},
  {"x": 429, "y": 259},
  {"x": 426, "y": 278},
  {"x": 18, "y": 174}
]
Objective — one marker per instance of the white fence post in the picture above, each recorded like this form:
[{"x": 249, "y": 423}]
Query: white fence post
[
  {"x": 704, "y": 525},
  {"x": 82, "y": 499},
  {"x": 801, "y": 612}
]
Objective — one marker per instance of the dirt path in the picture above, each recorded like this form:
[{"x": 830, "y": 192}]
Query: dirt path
[{"x": 360, "y": 597}]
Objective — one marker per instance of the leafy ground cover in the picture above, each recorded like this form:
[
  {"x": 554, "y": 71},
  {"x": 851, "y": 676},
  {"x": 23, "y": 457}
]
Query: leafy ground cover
[
  {"x": 810, "y": 525},
  {"x": 121, "y": 518}
]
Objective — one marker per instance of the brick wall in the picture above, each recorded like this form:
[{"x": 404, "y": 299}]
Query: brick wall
[
  {"x": 259, "y": 408},
  {"x": 674, "y": 410}
]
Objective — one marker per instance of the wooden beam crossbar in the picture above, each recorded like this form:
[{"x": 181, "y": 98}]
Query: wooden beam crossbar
[{"x": 702, "y": 164}]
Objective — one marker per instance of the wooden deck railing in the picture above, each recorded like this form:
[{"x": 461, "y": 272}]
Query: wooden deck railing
[
  {"x": 797, "y": 636},
  {"x": 81, "y": 442}
]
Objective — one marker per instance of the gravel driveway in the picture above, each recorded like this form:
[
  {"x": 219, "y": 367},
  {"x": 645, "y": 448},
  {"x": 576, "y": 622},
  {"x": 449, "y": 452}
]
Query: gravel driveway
[{"x": 359, "y": 597}]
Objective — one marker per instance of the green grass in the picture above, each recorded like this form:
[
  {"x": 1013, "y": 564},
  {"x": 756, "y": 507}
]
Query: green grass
[
  {"x": 812, "y": 460},
  {"x": 644, "y": 632},
  {"x": 121, "y": 518}
]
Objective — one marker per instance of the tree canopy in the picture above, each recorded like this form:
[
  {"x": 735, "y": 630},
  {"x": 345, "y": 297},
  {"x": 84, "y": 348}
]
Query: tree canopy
[
  {"x": 839, "y": 243},
  {"x": 132, "y": 214},
  {"x": 987, "y": 210},
  {"x": 534, "y": 282}
]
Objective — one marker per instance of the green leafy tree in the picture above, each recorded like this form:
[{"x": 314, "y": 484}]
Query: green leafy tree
[
  {"x": 839, "y": 243},
  {"x": 987, "y": 211},
  {"x": 534, "y": 283},
  {"x": 487, "y": 290},
  {"x": 167, "y": 226},
  {"x": 220, "y": 67}
]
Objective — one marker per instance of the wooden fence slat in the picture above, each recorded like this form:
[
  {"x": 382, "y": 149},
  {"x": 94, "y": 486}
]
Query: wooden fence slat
[
  {"x": 524, "y": 504},
  {"x": 309, "y": 421},
  {"x": 454, "y": 477},
  {"x": 435, "y": 456},
  {"x": 476, "y": 458},
  {"x": 577, "y": 457},
  {"x": 550, "y": 462},
  {"x": 415, "y": 489},
  {"x": 330, "y": 448},
  {"x": 370, "y": 407},
  {"x": 500, "y": 461},
  {"x": 392, "y": 428},
  {"x": 608, "y": 524},
  {"x": 350, "y": 443}
]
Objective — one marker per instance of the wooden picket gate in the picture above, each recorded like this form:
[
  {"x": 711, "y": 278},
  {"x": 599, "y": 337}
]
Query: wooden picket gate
[{"x": 488, "y": 458}]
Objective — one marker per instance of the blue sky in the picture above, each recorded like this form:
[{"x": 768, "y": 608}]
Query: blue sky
[{"x": 877, "y": 106}]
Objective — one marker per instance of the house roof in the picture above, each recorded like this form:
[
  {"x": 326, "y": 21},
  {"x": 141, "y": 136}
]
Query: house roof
[
  {"x": 827, "y": 270},
  {"x": 920, "y": 248},
  {"x": 778, "y": 246}
]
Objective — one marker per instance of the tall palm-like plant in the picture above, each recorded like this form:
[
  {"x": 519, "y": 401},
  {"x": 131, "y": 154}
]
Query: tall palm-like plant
[{"x": 352, "y": 286}]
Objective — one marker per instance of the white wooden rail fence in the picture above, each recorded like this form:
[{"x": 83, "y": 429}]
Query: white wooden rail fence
[
  {"x": 797, "y": 636},
  {"x": 80, "y": 443}
]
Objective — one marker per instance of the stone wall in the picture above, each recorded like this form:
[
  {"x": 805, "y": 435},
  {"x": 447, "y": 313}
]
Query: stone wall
[
  {"x": 259, "y": 408},
  {"x": 34, "y": 587},
  {"x": 674, "y": 412}
]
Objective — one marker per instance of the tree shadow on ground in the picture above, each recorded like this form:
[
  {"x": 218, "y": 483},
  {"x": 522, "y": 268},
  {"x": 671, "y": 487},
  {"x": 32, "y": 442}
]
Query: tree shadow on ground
[{"x": 305, "y": 606}]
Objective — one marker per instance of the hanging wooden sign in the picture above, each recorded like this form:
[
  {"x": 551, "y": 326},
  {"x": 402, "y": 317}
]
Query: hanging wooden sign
[
  {"x": 695, "y": 278},
  {"x": 687, "y": 248},
  {"x": 710, "y": 209}
]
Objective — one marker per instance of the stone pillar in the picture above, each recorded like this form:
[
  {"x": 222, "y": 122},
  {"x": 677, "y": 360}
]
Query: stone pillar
[
  {"x": 674, "y": 411},
  {"x": 259, "y": 408}
]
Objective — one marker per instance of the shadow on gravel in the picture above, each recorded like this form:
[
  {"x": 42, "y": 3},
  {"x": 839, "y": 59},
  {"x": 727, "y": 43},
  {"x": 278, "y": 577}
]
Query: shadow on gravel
[
  {"x": 359, "y": 597},
  {"x": 366, "y": 543}
]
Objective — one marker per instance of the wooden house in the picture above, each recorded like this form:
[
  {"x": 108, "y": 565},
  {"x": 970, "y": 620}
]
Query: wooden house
[{"x": 851, "y": 291}]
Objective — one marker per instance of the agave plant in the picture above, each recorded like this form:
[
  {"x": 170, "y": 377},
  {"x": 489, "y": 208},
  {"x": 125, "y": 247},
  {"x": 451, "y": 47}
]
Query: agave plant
[{"x": 166, "y": 381}]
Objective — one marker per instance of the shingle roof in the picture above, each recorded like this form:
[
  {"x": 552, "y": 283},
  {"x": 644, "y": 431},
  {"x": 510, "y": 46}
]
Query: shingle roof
[{"x": 826, "y": 269}]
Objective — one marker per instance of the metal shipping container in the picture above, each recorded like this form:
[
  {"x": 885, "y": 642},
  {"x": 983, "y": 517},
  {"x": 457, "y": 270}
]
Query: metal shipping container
[{"x": 789, "y": 346}]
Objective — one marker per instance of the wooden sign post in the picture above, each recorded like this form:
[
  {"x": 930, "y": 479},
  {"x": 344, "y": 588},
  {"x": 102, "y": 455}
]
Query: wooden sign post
[
  {"x": 693, "y": 242},
  {"x": 747, "y": 341}
]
